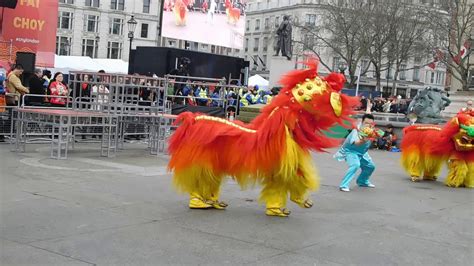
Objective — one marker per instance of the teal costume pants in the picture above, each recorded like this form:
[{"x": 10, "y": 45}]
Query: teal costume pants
[{"x": 364, "y": 162}]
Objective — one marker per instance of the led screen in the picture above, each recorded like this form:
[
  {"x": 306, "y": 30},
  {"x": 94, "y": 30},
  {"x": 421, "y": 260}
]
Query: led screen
[{"x": 217, "y": 22}]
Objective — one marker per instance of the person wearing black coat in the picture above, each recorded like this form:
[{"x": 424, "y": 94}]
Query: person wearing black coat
[{"x": 37, "y": 88}]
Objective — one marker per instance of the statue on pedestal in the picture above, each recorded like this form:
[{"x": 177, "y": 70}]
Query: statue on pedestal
[
  {"x": 283, "y": 42},
  {"x": 427, "y": 106}
]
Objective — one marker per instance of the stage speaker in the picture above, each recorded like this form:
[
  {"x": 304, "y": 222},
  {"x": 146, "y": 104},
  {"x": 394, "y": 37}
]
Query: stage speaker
[
  {"x": 27, "y": 60},
  {"x": 8, "y": 3}
]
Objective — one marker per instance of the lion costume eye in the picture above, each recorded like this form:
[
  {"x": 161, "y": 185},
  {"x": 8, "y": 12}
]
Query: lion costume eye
[{"x": 336, "y": 103}]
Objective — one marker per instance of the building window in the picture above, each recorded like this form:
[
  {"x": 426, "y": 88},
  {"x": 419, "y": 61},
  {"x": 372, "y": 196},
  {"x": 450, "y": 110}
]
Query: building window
[
  {"x": 89, "y": 47},
  {"x": 213, "y": 49},
  {"x": 308, "y": 42},
  {"x": 117, "y": 4},
  {"x": 267, "y": 23},
  {"x": 336, "y": 62},
  {"x": 146, "y": 6},
  {"x": 439, "y": 78},
  {"x": 65, "y": 20},
  {"x": 114, "y": 50},
  {"x": 247, "y": 27},
  {"x": 144, "y": 31},
  {"x": 416, "y": 74},
  {"x": 92, "y": 3},
  {"x": 365, "y": 66},
  {"x": 246, "y": 44},
  {"x": 256, "y": 43},
  {"x": 388, "y": 73},
  {"x": 403, "y": 68},
  {"x": 91, "y": 23},
  {"x": 432, "y": 78},
  {"x": 63, "y": 45},
  {"x": 264, "y": 61},
  {"x": 310, "y": 20},
  {"x": 204, "y": 47},
  {"x": 257, "y": 24},
  {"x": 265, "y": 44},
  {"x": 67, "y": 1},
  {"x": 277, "y": 21},
  {"x": 116, "y": 26},
  {"x": 237, "y": 51}
]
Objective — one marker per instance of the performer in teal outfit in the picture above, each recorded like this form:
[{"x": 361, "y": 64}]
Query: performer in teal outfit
[{"x": 354, "y": 152}]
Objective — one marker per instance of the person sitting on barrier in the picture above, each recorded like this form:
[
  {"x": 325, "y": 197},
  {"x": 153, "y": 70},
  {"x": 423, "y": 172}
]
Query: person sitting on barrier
[
  {"x": 36, "y": 87},
  {"x": 202, "y": 94},
  {"x": 84, "y": 91},
  {"x": 14, "y": 85},
  {"x": 216, "y": 97},
  {"x": 253, "y": 97},
  {"x": 188, "y": 88},
  {"x": 265, "y": 97},
  {"x": 231, "y": 97},
  {"x": 100, "y": 93},
  {"x": 243, "y": 98},
  {"x": 46, "y": 78},
  {"x": 388, "y": 140},
  {"x": 58, "y": 88}
]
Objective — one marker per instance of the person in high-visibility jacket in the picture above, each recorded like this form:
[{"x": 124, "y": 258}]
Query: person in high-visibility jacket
[
  {"x": 252, "y": 97},
  {"x": 243, "y": 98},
  {"x": 201, "y": 93},
  {"x": 265, "y": 97}
]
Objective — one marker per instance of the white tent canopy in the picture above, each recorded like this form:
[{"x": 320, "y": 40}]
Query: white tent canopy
[
  {"x": 87, "y": 64},
  {"x": 259, "y": 81}
]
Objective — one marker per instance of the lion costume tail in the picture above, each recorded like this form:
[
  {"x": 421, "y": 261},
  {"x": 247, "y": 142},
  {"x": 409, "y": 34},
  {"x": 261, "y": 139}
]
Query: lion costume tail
[{"x": 416, "y": 159}]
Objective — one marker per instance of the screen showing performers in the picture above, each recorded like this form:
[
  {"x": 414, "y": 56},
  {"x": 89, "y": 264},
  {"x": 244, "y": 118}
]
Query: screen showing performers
[{"x": 217, "y": 22}]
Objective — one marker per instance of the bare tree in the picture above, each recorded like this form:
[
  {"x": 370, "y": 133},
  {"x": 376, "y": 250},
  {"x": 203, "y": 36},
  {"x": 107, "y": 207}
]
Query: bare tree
[
  {"x": 407, "y": 38},
  {"x": 341, "y": 31},
  {"x": 451, "y": 33}
]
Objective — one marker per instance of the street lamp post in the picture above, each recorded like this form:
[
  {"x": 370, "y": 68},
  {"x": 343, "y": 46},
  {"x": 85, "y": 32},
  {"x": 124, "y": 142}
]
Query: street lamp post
[{"x": 132, "y": 24}]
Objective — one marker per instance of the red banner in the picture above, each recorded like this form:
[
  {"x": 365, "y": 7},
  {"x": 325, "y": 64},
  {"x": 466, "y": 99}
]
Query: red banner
[{"x": 31, "y": 27}]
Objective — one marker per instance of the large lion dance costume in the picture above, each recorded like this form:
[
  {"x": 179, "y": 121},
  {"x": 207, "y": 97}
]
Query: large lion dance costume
[
  {"x": 425, "y": 148},
  {"x": 180, "y": 11},
  {"x": 273, "y": 150}
]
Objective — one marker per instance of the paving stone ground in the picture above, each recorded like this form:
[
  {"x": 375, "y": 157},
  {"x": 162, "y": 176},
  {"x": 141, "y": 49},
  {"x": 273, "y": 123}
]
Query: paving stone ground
[{"x": 124, "y": 211}]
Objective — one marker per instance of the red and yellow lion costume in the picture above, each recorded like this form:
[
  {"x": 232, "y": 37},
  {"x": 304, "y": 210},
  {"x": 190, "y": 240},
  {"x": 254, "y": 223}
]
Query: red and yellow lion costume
[
  {"x": 180, "y": 11},
  {"x": 233, "y": 13},
  {"x": 426, "y": 147},
  {"x": 273, "y": 150}
]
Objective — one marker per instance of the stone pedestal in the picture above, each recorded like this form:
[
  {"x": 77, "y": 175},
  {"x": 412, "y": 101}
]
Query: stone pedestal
[{"x": 279, "y": 65}]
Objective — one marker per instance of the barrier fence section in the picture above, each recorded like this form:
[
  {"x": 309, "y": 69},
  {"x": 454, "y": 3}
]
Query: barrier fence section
[
  {"x": 139, "y": 103},
  {"x": 113, "y": 107}
]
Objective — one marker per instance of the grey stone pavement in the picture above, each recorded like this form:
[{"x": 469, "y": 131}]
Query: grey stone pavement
[{"x": 124, "y": 211}]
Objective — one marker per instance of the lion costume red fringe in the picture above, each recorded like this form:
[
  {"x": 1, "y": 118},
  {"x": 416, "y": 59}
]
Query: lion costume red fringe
[
  {"x": 425, "y": 148},
  {"x": 273, "y": 150}
]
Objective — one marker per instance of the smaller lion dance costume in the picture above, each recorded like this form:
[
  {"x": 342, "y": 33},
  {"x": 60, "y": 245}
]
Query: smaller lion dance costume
[
  {"x": 272, "y": 151},
  {"x": 426, "y": 147},
  {"x": 233, "y": 13},
  {"x": 180, "y": 11}
]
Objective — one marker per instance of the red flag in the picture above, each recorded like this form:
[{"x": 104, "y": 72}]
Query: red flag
[
  {"x": 432, "y": 65},
  {"x": 457, "y": 59}
]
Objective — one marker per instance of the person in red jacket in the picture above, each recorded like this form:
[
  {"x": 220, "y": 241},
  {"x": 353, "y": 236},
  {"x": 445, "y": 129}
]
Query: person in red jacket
[{"x": 58, "y": 88}]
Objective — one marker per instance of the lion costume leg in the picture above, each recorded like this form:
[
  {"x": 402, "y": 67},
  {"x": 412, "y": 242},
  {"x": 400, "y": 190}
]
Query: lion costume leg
[
  {"x": 305, "y": 181},
  {"x": 432, "y": 167},
  {"x": 413, "y": 164},
  {"x": 274, "y": 194},
  {"x": 469, "y": 179},
  {"x": 203, "y": 186},
  {"x": 457, "y": 173}
]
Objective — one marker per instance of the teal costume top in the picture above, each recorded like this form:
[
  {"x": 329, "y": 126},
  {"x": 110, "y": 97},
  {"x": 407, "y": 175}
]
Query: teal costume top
[{"x": 349, "y": 146}]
